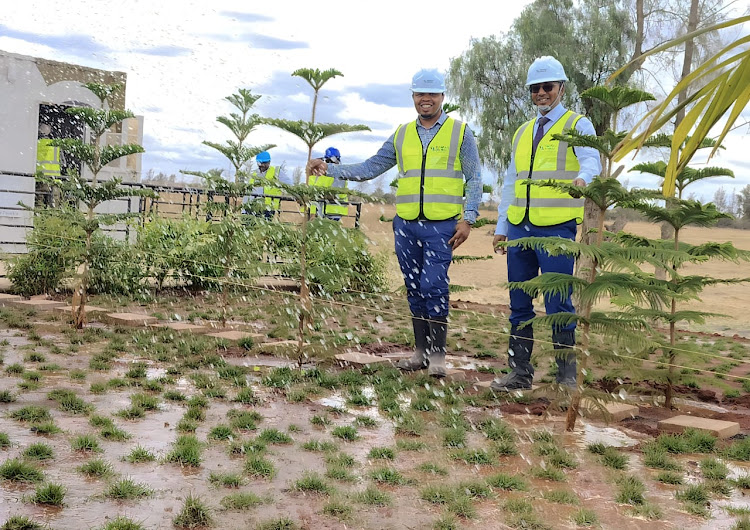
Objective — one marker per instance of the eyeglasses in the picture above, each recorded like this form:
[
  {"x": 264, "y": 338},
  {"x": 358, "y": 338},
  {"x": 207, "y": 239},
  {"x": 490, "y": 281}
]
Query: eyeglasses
[{"x": 548, "y": 87}]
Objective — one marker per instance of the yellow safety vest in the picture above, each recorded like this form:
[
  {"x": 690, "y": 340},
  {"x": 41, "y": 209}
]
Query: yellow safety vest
[
  {"x": 269, "y": 191},
  {"x": 332, "y": 208},
  {"x": 48, "y": 158},
  {"x": 553, "y": 160},
  {"x": 431, "y": 183}
]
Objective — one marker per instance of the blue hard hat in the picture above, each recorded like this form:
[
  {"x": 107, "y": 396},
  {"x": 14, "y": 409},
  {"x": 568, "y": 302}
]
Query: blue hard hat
[
  {"x": 428, "y": 81},
  {"x": 332, "y": 151},
  {"x": 263, "y": 156}
]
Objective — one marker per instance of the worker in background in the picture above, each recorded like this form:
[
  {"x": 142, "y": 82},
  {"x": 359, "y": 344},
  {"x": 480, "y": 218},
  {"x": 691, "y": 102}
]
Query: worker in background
[
  {"x": 434, "y": 154},
  {"x": 47, "y": 163},
  {"x": 333, "y": 210},
  {"x": 263, "y": 179},
  {"x": 538, "y": 211}
]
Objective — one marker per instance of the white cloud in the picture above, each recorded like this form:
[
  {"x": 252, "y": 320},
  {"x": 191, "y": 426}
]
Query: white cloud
[{"x": 183, "y": 57}]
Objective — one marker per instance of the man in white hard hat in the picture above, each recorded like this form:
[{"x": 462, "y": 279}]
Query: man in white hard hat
[
  {"x": 435, "y": 154},
  {"x": 539, "y": 211}
]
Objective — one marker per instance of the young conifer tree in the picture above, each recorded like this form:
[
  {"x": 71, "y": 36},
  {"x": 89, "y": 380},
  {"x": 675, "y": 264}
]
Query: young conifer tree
[
  {"x": 680, "y": 213},
  {"x": 237, "y": 237},
  {"x": 311, "y": 133},
  {"x": 79, "y": 191}
]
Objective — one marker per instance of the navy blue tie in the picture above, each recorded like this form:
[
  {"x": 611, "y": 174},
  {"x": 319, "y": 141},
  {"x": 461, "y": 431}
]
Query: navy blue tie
[{"x": 541, "y": 122}]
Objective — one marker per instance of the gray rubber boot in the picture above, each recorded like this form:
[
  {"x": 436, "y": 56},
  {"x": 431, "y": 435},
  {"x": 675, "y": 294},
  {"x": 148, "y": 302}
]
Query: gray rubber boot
[
  {"x": 520, "y": 346},
  {"x": 418, "y": 361},
  {"x": 565, "y": 356},
  {"x": 437, "y": 349}
]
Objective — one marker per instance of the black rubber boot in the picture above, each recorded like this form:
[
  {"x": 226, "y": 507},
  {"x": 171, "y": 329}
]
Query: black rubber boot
[
  {"x": 520, "y": 346},
  {"x": 418, "y": 361},
  {"x": 565, "y": 356},
  {"x": 437, "y": 349}
]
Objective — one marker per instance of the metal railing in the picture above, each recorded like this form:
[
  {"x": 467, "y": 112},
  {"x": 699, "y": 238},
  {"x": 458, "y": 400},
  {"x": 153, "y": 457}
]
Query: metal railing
[{"x": 170, "y": 202}]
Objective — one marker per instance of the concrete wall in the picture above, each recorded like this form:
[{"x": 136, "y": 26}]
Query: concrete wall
[{"x": 25, "y": 83}]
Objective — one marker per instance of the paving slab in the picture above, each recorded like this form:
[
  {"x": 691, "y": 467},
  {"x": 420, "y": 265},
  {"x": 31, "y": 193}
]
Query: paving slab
[
  {"x": 719, "y": 428},
  {"x": 129, "y": 319},
  {"x": 279, "y": 345},
  {"x": 183, "y": 327},
  {"x": 235, "y": 335},
  {"x": 6, "y": 299},
  {"x": 453, "y": 374},
  {"x": 615, "y": 411},
  {"x": 38, "y": 304},
  {"x": 358, "y": 359},
  {"x": 90, "y": 310}
]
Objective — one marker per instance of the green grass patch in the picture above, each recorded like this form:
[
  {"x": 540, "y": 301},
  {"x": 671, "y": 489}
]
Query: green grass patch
[{"x": 194, "y": 514}]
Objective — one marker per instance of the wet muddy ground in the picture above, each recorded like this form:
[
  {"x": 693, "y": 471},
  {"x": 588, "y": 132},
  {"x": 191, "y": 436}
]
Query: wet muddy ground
[{"x": 326, "y": 448}]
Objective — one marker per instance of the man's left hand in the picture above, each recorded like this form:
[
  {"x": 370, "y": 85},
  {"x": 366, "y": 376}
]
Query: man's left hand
[
  {"x": 580, "y": 183},
  {"x": 463, "y": 229}
]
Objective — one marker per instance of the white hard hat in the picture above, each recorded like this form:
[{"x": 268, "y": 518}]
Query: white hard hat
[
  {"x": 545, "y": 68},
  {"x": 428, "y": 81}
]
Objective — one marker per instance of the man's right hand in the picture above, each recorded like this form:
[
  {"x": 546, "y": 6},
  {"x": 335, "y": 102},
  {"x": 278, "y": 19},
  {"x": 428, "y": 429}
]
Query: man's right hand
[
  {"x": 496, "y": 240},
  {"x": 317, "y": 167}
]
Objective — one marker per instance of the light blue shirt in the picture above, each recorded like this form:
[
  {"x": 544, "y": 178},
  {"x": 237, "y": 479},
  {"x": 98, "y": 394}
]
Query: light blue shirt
[
  {"x": 588, "y": 159},
  {"x": 385, "y": 159}
]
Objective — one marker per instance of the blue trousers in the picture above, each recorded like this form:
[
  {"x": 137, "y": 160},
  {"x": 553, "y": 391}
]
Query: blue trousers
[
  {"x": 525, "y": 264},
  {"x": 424, "y": 256}
]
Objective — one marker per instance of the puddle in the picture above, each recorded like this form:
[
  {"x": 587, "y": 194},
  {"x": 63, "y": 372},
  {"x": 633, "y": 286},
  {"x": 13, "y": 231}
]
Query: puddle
[
  {"x": 607, "y": 435},
  {"x": 155, "y": 373}
]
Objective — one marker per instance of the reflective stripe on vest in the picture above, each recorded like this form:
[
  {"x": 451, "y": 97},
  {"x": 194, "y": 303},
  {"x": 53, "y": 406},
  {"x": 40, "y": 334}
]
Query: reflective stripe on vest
[
  {"x": 430, "y": 183},
  {"x": 47, "y": 158},
  {"x": 332, "y": 208},
  {"x": 270, "y": 192},
  {"x": 553, "y": 160}
]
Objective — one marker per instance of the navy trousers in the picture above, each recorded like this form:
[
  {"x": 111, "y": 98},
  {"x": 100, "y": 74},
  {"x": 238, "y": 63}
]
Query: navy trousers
[
  {"x": 424, "y": 256},
  {"x": 525, "y": 264}
]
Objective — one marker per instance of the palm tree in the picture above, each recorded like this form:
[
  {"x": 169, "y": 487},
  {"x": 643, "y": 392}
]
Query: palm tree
[{"x": 724, "y": 82}]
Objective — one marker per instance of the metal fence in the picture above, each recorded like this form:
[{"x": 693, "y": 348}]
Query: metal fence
[{"x": 170, "y": 202}]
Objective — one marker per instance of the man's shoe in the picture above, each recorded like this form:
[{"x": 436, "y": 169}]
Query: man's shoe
[
  {"x": 436, "y": 368},
  {"x": 418, "y": 361},
  {"x": 510, "y": 382}
]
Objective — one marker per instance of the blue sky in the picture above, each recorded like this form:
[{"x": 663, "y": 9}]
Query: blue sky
[{"x": 183, "y": 58}]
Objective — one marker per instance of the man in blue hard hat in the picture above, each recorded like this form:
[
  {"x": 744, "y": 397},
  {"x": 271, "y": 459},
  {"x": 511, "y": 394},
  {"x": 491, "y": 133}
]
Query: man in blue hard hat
[
  {"x": 435, "y": 156},
  {"x": 263, "y": 179},
  {"x": 527, "y": 210},
  {"x": 332, "y": 210}
]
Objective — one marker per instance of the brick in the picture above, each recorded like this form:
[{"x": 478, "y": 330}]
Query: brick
[
  {"x": 38, "y": 304},
  {"x": 719, "y": 428},
  {"x": 6, "y": 299},
  {"x": 358, "y": 359},
  {"x": 234, "y": 335},
  {"x": 129, "y": 319}
]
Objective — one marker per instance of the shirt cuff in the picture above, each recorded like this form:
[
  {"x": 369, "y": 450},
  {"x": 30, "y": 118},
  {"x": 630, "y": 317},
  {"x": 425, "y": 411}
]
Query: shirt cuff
[{"x": 470, "y": 217}]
